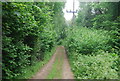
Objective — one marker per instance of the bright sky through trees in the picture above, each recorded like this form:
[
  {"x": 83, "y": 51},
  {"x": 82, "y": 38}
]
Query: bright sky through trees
[{"x": 69, "y": 6}]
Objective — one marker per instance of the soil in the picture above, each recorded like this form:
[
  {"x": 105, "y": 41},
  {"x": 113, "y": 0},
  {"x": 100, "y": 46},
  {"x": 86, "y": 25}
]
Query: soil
[{"x": 66, "y": 72}]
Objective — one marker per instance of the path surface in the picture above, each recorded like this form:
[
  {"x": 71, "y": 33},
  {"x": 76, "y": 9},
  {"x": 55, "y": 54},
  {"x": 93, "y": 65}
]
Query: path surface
[{"x": 63, "y": 68}]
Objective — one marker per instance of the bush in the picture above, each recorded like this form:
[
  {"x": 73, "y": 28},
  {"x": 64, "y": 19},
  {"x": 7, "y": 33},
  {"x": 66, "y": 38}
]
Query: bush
[
  {"x": 86, "y": 41},
  {"x": 15, "y": 56},
  {"x": 90, "y": 53},
  {"x": 100, "y": 66},
  {"x": 28, "y": 32}
]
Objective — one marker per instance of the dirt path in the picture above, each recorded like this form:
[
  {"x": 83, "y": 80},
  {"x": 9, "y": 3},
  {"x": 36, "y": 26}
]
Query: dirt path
[
  {"x": 57, "y": 68},
  {"x": 67, "y": 73}
]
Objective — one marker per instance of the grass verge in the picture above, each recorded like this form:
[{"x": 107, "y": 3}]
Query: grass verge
[
  {"x": 32, "y": 70},
  {"x": 56, "y": 71}
]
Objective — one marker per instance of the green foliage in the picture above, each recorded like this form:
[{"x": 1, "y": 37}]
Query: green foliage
[
  {"x": 115, "y": 41},
  {"x": 30, "y": 71},
  {"x": 85, "y": 15},
  {"x": 91, "y": 54},
  {"x": 30, "y": 30},
  {"x": 87, "y": 41},
  {"x": 28, "y": 33},
  {"x": 94, "y": 51},
  {"x": 59, "y": 22},
  {"x": 101, "y": 15},
  {"x": 15, "y": 56},
  {"x": 100, "y": 66}
]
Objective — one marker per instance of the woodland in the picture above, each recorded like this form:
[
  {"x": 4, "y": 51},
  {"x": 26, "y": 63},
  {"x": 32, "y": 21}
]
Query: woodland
[{"x": 32, "y": 30}]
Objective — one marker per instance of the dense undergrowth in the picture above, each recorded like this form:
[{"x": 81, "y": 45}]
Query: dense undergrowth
[
  {"x": 31, "y": 30},
  {"x": 90, "y": 54},
  {"x": 28, "y": 33},
  {"x": 87, "y": 41},
  {"x": 30, "y": 71},
  {"x": 93, "y": 45},
  {"x": 100, "y": 66}
]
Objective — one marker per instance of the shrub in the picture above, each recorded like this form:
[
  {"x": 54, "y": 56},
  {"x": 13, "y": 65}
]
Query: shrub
[
  {"x": 28, "y": 29},
  {"x": 86, "y": 41},
  {"x": 100, "y": 66}
]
